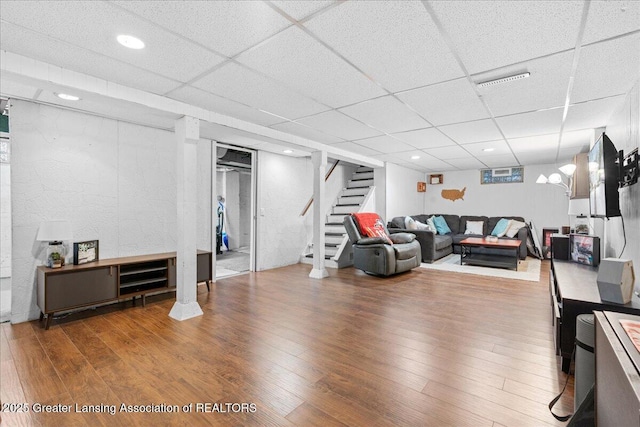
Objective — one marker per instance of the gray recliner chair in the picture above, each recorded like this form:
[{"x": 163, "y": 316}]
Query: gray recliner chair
[{"x": 374, "y": 255}]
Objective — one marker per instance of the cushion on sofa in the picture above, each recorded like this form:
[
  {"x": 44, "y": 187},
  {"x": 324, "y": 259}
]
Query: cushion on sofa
[
  {"x": 431, "y": 224},
  {"x": 441, "y": 225},
  {"x": 514, "y": 227},
  {"x": 442, "y": 242},
  {"x": 493, "y": 220},
  {"x": 474, "y": 227},
  {"x": 410, "y": 223},
  {"x": 466, "y": 218},
  {"x": 501, "y": 227},
  {"x": 397, "y": 222}
]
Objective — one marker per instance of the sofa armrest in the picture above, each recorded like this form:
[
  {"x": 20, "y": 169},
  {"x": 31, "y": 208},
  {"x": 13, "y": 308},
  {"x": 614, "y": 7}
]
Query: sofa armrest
[
  {"x": 426, "y": 238},
  {"x": 523, "y": 235},
  {"x": 372, "y": 241}
]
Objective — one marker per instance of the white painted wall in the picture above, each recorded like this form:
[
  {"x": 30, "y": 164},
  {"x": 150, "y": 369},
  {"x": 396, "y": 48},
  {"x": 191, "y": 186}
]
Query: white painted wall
[
  {"x": 284, "y": 187},
  {"x": 114, "y": 181},
  {"x": 545, "y": 205},
  {"x": 402, "y": 197},
  {"x": 624, "y": 131},
  {"x": 205, "y": 198},
  {"x": 5, "y": 220}
]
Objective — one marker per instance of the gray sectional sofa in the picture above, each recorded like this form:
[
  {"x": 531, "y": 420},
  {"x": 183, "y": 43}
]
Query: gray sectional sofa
[{"x": 435, "y": 246}]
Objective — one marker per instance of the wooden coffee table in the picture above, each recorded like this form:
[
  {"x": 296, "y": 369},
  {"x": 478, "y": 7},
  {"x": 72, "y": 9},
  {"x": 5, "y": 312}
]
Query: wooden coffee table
[{"x": 487, "y": 260}]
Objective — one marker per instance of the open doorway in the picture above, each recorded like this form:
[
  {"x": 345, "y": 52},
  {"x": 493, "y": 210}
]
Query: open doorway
[{"x": 234, "y": 208}]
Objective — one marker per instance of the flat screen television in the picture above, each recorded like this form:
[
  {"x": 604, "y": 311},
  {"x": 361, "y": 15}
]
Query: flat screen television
[
  {"x": 604, "y": 175},
  {"x": 584, "y": 249}
]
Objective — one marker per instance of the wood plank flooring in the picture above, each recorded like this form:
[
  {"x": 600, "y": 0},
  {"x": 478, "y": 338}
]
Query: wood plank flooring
[{"x": 425, "y": 348}]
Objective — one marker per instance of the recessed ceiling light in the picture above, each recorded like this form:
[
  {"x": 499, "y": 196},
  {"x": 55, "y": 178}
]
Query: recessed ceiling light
[
  {"x": 288, "y": 151},
  {"x": 488, "y": 149},
  {"x": 415, "y": 157},
  {"x": 67, "y": 97},
  {"x": 504, "y": 80},
  {"x": 130, "y": 41}
]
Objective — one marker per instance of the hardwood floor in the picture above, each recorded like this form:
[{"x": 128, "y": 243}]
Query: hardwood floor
[{"x": 418, "y": 349}]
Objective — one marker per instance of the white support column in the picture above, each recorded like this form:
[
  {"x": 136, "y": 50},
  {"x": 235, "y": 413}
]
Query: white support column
[
  {"x": 187, "y": 130},
  {"x": 319, "y": 159}
]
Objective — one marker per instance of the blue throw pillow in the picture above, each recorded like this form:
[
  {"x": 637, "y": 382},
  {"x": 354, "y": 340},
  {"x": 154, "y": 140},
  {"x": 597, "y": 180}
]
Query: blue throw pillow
[
  {"x": 441, "y": 225},
  {"x": 501, "y": 227}
]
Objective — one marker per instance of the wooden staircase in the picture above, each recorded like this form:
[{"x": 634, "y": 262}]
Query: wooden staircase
[{"x": 349, "y": 201}]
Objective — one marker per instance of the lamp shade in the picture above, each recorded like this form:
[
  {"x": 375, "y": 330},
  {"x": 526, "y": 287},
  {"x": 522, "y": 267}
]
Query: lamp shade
[
  {"x": 579, "y": 207},
  {"x": 568, "y": 169},
  {"x": 555, "y": 178},
  {"x": 54, "y": 231},
  {"x": 542, "y": 179}
]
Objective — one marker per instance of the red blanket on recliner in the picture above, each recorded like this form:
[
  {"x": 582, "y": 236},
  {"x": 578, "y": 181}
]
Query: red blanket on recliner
[{"x": 370, "y": 224}]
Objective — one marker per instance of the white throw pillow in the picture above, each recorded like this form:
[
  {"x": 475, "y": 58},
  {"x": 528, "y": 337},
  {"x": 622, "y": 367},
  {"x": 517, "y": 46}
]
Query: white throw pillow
[
  {"x": 431, "y": 224},
  {"x": 514, "y": 227},
  {"x": 410, "y": 223},
  {"x": 474, "y": 227},
  {"x": 422, "y": 226}
]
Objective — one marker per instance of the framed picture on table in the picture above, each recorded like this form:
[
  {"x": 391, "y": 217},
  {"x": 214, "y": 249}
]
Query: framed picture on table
[
  {"x": 84, "y": 252},
  {"x": 546, "y": 241}
]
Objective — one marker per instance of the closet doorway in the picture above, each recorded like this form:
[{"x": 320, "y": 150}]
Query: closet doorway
[{"x": 234, "y": 211}]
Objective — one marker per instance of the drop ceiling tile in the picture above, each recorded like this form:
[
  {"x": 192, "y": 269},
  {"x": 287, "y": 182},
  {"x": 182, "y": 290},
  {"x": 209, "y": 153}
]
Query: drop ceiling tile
[
  {"x": 546, "y": 87},
  {"x": 499, "y": 161},
  {"x": 384, "y": 144},
  {"x": 498, "y": 147},
  {"x": 301, "y": 9},
  {"x": 42, "y": 48},
  {"x": 476, "y": 131},
  {"x": 577, "y": 138},
  {"x": 536, "y": 158},
  {"x": 424, "y": 138},
  {"x": 356, "y": 148},
  {"x": 478, "y": 29},
  {"x": 165, "y": 53},
  {"x": 565, "y": 155},
  {"x": 535, "y": 123},
  {"x": 406, "y": 156},
  {"x": 467, "y": 163},
  {"x": 445, "y": 103},
  {"x": 240, "y": 84},
  {"x": 611, "y": 18},
  {"x": 535, "y": 144},
  {"x": 211, "y": 102},
  {"x": 445, "y": 153},
  {"x": 433, "y": 164},
  {"x": 228, "y": 27},
  {"x": 607, "y": 68},
  {"x": 594, "y": 114},
  {"x": 307, "y": 132},
  {"x": 339, "y": 124},
  {"x": 396, "y": 43},
  {"x": 298, "y": 60},
  {"x": 386, "y": 114}
]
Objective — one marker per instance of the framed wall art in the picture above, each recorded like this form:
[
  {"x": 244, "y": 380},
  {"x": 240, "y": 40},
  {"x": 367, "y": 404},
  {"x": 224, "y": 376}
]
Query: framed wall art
[{"x": 84, "y": 252}]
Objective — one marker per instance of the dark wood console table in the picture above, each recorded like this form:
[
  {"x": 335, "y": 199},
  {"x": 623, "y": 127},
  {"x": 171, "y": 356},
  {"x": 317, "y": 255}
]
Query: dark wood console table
[
  {"x": 574, "y": 291},
  {"x": 110, "y": 280}
]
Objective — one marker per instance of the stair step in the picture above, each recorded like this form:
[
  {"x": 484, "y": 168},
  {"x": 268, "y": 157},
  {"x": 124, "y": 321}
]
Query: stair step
[
  {"x": 355, "y": 191},
  {"x": 345, "y": 209},
  {"x": 330, "y": 251},
  {"x": 350, "y": 200},
  {"x": 333, "y": 239},
  {"x": 335, "y": 218},
  {"x": 334, "y": 229},
  {"x": 325, "y": 256},
  {"x": 360, "y": 183},
  {"x": 364, "y": 169},
  {"x": 363, "y": 175}
]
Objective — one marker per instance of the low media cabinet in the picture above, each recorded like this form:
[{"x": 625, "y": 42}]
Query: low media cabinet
[{"x": 110, "y": 280}]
